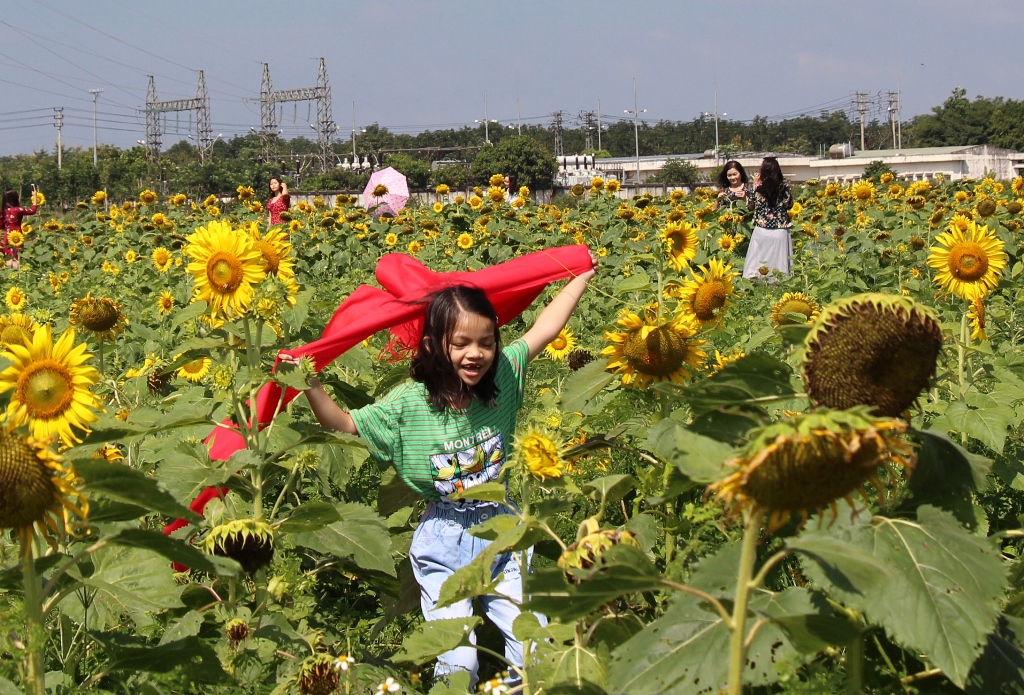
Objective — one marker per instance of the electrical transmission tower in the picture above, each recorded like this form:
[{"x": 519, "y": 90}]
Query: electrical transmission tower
[
  {"x": 200, "y": 104},
  {"x": 588, "y": 119},
  {"x": 556, "y": 127},
  {"x": 321, "y": 94},
  {"x": 862, "y": 109}
]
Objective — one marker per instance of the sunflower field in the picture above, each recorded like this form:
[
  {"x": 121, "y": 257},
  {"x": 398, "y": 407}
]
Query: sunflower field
[{"x": 803, "y": 484}]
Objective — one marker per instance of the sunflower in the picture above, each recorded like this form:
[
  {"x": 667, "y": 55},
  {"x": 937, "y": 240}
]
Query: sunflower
[
  {"x": 318, "y": 676},
  {"x": 971, "y": 262},
  {"x": 986, "y": 207},
  {"x": 101, "y": 316},
  {"x": 162, "y": 259},
  {"x": 442, "y": 189},
  {"x": 496, "y": 194},
  {"x": 438, "y": 208},
  {"x": 863, "y": 190},
  {"x": 37, "y": 487},
  {"x": 961, "y": 220},
  {"x": 561, "y": 346},
  {"x": 542, "y": 457},
  {"x": 16, "y": 329},
  {"x": 195, "y": 370},
  {"x": 147, "y": 197},
  {"x": 794, "y": 303},
  {"x": 680, "y": 243},
  {"x": 875, "y": 350},
  {"x": 15, "y": 299},
  {"x": 465, "y": 241},
  {"x": 722, "y": 361},
  {"x": 415, "y": 247},
  {"x": 177, "y": 199},
  {"x": 248, "y": 542},
  {"x": 15, "y": 238},
  {"x": 475, "y": 202},
  {"x": 51, "y": 385},
  {"x": 98, "y": 197},
  {"x": 613, "y": 186},
  {"x": 727, "y": 242},
  {"x": 809, "y": 462},
  {"x": 131, "y": 256},
  {"x": 649, "y": 350},
  {"x": 885, "y": 178},
  {"x": 976, "y": 315},
  {"x": 706, "y": 295},
  {"x": 379, "y": 190},
  {"x": 225, "y": 266}
]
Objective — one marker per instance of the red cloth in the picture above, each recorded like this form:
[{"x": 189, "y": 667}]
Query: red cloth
[
  {"x": 12, "y": 221},
  {"x": 511, "y": 286}
]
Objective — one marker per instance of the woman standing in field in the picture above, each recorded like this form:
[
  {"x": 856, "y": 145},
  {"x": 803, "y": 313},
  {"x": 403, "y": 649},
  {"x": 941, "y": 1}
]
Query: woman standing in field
[
  {"x": 11, "y": 213},
  {"x": 279, "y": 201},
  {"x": 734, "y": 183},
  {"x": 771, "y": 244}
]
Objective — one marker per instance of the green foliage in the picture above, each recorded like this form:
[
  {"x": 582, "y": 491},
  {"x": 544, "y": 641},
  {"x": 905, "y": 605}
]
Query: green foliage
[
  {"x": 676, "y": 171},
  {"x": 416, "y": 170},
  {"x": 876, "y": 168},
  {"x": 532, "y": 163}
]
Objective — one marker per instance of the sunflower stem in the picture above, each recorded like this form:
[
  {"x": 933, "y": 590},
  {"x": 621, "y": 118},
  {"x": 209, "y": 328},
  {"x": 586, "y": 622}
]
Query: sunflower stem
[
  {"x": 855, "y": 665},
  {"x": 961, "y": 361},
  {"x": 101, "y": 355},
  {"x": 737, "y": 642},
  {"x": 35, "y": 682}
]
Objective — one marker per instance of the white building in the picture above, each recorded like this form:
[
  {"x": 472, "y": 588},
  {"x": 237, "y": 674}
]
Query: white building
[{"x": 910, "y": 164}]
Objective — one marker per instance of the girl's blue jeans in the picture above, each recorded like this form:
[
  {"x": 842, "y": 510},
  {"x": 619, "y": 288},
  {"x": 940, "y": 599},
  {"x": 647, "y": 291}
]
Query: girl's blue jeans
[{"x": 442, "y": 544}]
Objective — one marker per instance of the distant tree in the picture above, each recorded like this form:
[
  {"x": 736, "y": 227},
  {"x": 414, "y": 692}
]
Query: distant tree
[
  {"x": 875, "y": 169},
  {"x": 676, "y": 171},
  {"x": 455, "y": 176},
  {"x": 599, "y": 154},
  {"x": 416, "y": 170},
  {"x": 532, "y": 163}
]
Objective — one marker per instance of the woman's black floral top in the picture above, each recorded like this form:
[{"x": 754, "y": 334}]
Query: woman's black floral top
[
  {"x": 732, "y": 197},
  {"x": 773, "y": 217}
]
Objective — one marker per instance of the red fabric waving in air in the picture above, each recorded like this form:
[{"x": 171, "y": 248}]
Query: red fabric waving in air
[{"x": 511, "y": 286}]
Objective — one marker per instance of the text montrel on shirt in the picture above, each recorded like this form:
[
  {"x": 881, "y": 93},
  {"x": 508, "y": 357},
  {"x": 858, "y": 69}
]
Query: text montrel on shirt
[{"x": 466, "y": 442}]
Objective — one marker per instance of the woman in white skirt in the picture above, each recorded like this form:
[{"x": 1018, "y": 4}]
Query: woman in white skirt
[{"x": 771, "y": 244}]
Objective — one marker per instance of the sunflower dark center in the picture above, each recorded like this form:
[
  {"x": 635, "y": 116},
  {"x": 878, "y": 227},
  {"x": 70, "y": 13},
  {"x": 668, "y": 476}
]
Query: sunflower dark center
[
  {"x": 659, "y": 353},
  {"x": 968, "y": 262},
  {"x": 710, "y": 297},
  {"x": 98, "y": 316},
  {"x": 224, "y": 272},
  {"x": 46, "y": 389},
  {"x": 26, "y": 489}
]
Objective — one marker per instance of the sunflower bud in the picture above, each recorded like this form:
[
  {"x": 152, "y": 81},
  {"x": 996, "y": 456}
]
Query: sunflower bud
[
  {"x": 592, "y": 543},
  {"x": 248, "y": 542},
  {"x": 236, "y": 630},
  {"x": 317, "y": 675}
]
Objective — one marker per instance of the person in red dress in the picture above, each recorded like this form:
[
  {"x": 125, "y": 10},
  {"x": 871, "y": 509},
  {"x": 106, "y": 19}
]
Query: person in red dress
[
  {"x": 11, "y": 213},
  {"x": 279, "y": 200}
]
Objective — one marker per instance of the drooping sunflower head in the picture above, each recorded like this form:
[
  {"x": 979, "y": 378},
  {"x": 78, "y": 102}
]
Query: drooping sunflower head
[
  {"x": 225, "y": 266},
  {"x": 706, "y": 294},
  {"x": 318, "y": 675},
  {"x": 794, "y": 303},
  {"x": 875, "y": 350},
  {"x": 51, "y": 385},
  {"x": 38, "y": 487},
  {"x": 101, "y": 316},
  {"x": 541, "y": 457},
  {"x": 650, "y": 350},
  {"x": 379, "y": 190},
  {"x": 986, "y": 207},
  {"x": 809, "y": 462},
  {"x": 680, "y": 240},
  {"x": 16, "y": 329},
  {"x": 592, "y": 542},
  {"x": 249, "y": 542},
  {"x": 562, "y": 345},
  {"x": 970, "y": 260}
]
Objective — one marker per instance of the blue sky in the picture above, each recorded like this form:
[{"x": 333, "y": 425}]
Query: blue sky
[{"x": 416, "y": 65}]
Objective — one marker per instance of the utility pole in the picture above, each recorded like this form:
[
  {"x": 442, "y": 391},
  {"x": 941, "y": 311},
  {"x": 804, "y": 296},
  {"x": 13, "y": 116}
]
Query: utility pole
[
  {"x": 862, "y": 108},
  {"x": 892, "y": 115},
  {"x": 636, "y": 130},
  {"x": 58, "y": 123},
  {"x": 95, "y": 93},
  {"x": 519, "y": 117},
  {"x": 556, "y": 126},
  {"x": 354, "y": 155},
  {"x": 598, "y": 124},
  {"x": 899, "y": 115},
  {"x": 487, "y": 121}
]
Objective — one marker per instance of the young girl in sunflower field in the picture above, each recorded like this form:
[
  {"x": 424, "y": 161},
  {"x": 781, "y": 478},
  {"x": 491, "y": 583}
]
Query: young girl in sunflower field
[
  {"x": 448, "y": 429},
  {"x": 11, "y": 213}
]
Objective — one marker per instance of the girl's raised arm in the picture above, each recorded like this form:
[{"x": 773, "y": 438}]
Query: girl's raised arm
[
  {"x": 328, "y": 413},
  {"x": 557, "y": 313}
]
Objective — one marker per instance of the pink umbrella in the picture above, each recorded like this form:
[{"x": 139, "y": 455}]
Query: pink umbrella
[{"x": 393, "y": 200}]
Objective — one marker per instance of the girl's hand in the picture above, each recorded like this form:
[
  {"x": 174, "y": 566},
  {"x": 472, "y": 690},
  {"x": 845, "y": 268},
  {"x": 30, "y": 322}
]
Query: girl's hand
[
  {"x": 284, "y": 188},
  {"x": 289, "y": 359}
]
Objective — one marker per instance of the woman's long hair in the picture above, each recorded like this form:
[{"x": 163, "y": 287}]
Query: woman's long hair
[
  {"x": 723, "y": 175},
  {"x": 10, "y": 200},
  {"x": 432, "y": 366},
  {"x": 771, "y": 180}
]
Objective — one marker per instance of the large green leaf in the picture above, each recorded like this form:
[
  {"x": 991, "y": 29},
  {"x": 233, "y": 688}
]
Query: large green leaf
[
  {"x": 175, "y": 550},
  {"x": 583, "y": 385},
  {"x": 610, "y": 488},
  {"x": 435, "y": 637},
  {"x": 477, "y": 577},
  {"x": 200, "y": 661},
  {"x": 946, "y": 474},
  {"x": 184, "y": 467},
  {"x": 984, "y": 419},
  {"x": 943, "y": 589},
  {"x": 361, "y": 535},
  {"x": 697, "y": 457},
  {"x": 311, "y": 516},
  {"x": 1000, "y": 669},
  {"x": 129, "y": 485},
  {"x": 754, "y": 380},
  {"x": 125, "y": 582},
  {"x": 684, "y": 651}
]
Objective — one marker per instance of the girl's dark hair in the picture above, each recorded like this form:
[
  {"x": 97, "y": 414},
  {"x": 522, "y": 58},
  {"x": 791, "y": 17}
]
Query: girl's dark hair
[
  {"x": 513, "y": 184},
  {"x": 11, "y": 199},
  {"x": 723, "y": 175},
  {"x": 432, "y": 367},
  {"x": 771, "y": 180}
]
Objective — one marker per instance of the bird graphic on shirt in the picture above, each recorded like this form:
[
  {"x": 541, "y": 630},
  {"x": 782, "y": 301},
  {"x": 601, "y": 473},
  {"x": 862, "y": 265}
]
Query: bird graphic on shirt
[
  {"x": 448, "y": 472},
  {"x": 477, "y": 464}
]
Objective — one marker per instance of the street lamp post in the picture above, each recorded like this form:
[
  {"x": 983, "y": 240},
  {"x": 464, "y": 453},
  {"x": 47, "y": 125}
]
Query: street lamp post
[
  {"x": 716, "y": 115},
  {"x": 635, "y": 112},
  {"x": 486, "y": 121},
  {"x": 95, "y": 93}
]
